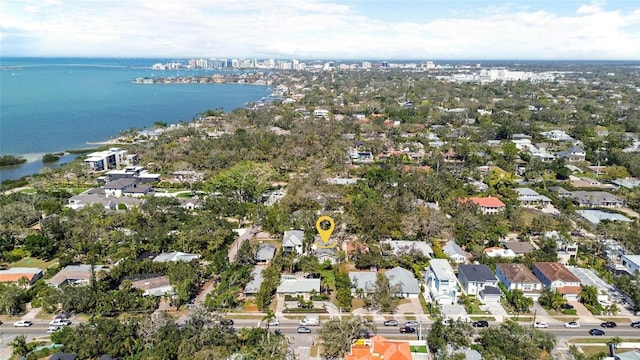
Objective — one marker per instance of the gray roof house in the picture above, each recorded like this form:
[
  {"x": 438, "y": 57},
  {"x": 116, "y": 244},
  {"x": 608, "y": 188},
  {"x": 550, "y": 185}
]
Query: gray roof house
[
  {"x": 595, "y": 216},
  {"x": 475, "y": 278},
  {"x": 401, "y": 247},
  {"x": 573, "y": 154},
  {"x": 408, "y": 284},
  {"x": 454, "y": 252},
  {"x": 253, "y": 286},
  {"x": 365, "y": 280},
  {"x": 529, "y": 196},
  {"x": 175, "y": 257},
  {"x": 265, "y": 253},
  {"x": 75, "y": 275},
  {"x": 292, "y": 285},
  {"x": 292, "y": 241},
  {"x": 596, "y": 198}
]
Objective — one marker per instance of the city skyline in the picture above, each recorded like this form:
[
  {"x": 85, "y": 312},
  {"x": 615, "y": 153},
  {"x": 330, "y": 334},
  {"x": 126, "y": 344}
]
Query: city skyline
[{"x": 339, "y": 29}]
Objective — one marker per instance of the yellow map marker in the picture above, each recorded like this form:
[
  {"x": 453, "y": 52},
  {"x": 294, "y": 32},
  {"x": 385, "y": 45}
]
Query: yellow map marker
[{"x": 325, "y": 234}]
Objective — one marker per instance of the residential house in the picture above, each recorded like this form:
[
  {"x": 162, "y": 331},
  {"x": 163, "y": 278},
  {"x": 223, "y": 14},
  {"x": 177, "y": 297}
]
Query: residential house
[
  {"x": 175, "y": 256},
  {"x": 125, "y": 187},
  {"x": 573, "y": 154},
  {"x": 519, "y": 247},
  {"x": 518, "y": 276},
  {"x": 475, "y": 278},
  {"x": 253, "y": 286},
  {"x": 629, "y": 183},
  {"x": 495, "y": 251},
  {"x": 398, "y": 247},
  {"x": 404, "y": 281},
  {"x": 488, "y": 205},
  {"x": 98, "y": 196},
  {"x": 596, "y": 198},
  {"x": 14, "y": 275},
  {"x": 528, "y": 196},
  {"x": 362, "y": 282},
  {"x": 595, "y": 216},
  {"x": 109, "y": 159},
  {"x": 293, "y": 242},
  {"x": 441, "y": 281},
  {"x": 76, "y": 275},
  {"x": 454, "y": 252},
  {"x": 295, "y": 286},
  {"x": 558, "y": 277},
  {"x": 567, "y": 251},
  {"x": 557, "y": 135},
  {"x": 326, "y": 254},
  {"x": 153, "y": 286},
  {"x": 631, "y": 263},
  {"x": 265, "y": 253},
  {"x": 133, "y": 172},
  {"x": 560, "y": 191},
  {"x": 379, "y": 348}
]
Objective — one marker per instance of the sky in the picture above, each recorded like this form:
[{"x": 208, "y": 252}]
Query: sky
[{"x": 323, "y": 29}]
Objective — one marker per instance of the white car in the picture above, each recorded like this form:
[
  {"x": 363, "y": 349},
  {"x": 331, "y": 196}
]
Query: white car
[
  {"x": 572, "y": 325},
  {"x": 22, "y": 323},
  {"x": 52, "y": 329},
  {"x": 274, "y": 322},
  {"x": 60, "y": 322},
  {"x": 540, "y": 324}
]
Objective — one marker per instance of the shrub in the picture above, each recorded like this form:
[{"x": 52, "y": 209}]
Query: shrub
[{"x": 570, "y": 311}]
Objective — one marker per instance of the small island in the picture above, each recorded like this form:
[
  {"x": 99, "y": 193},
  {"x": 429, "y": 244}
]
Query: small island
[
  {"x": 49, "y": 158},
  {"x": 8, "y": 160}
]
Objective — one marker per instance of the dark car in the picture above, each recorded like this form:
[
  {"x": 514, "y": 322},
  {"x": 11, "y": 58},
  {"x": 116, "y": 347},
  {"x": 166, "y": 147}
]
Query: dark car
[
  {"x": 62, "y": 315},
  {"x": 226, "y": 322},
  {"x": 608, "y": 324},
  {"x": 408, "y": 330},
  {"x": 635, "y": 324},
  {"x": 596, "y": 332},
  {"x": 304, "y": 330},
  {"x": 364, "y": 334},
  {"x": 391, "y": 323},
  {"x": 566, "y": 306},
  {"x": 480, "y": 323}
]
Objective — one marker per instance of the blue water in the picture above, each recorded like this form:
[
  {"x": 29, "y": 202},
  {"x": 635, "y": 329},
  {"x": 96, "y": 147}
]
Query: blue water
[{"x": 56, "y": 104}]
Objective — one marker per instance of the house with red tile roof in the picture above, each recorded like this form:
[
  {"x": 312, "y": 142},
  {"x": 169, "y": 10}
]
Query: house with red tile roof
[
  {"x": 488, "y": 205},
  {"x": 14, "y": 275},
  {"x": 379, "y": 348}
]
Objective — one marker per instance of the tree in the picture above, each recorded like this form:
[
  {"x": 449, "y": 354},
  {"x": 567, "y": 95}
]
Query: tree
[
  {"x": 338, "y": 335},
  {"x": 19, "y": 345},
  {"x": 519, "y": 302},
  {"x": 457, "y": 334},
  {"x": 383, "y": 296},
  {"x": 512, "y": 341},
  {"x": 551, "y": 299},
  {"x": 589, "y": 295}
]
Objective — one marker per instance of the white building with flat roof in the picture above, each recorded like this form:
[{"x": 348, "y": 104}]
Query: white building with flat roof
[
  {"x": 631, "y": 263},
  {"x": 104, "y": 160}
]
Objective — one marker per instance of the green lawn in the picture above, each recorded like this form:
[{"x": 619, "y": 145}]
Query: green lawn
[
  {"x": 419, "y": 349},
  {"x": 30, "y": 191},
  {"x": 36, "y": 263}
]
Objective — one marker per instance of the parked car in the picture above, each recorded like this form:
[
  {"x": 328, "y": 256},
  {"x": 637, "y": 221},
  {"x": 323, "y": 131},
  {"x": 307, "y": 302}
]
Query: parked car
[
  {"x": 608, "y": 324},
  {"x": 60, "y": 322},
  {"x": 480, "y": 323},
  {"x": 304, "y": 330},
  {"x": 407, "y": 330},
  {"x": 411, "y": 323},
  {"x": 274, "y": 322},
  {"x": 391, "y": 323},
  {"x": 540, "y": 324},
  {"x": 635, "y": 324},
  {"x": 62, "y": 315},
  {"x": 566, "y": 306},
  {"x": 22, "y": 323},
  {"x": 572, "y": 325},
  {"x": 596, "y": 332},
  {"x": 226, "y": 322}
]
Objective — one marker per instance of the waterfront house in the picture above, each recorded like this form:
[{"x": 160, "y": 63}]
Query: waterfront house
[{"x": 104, "y": 160}]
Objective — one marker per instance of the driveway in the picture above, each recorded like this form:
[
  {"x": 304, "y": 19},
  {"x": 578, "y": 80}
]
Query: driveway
[
  {"x": 453, "y": 311},
  {"x": 496, "y": 310}
]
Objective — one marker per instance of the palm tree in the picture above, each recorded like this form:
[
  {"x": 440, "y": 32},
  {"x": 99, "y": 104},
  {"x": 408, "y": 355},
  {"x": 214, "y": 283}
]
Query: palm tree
[{"x": 269, "y": 317}]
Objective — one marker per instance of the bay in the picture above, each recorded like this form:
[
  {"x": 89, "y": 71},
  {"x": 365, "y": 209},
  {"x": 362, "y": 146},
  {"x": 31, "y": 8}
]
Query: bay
[{"x": 50, "y": 105}]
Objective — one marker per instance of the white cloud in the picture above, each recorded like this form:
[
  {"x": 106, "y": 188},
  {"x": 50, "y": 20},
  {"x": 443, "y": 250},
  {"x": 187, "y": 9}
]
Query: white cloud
[{"x": 310, "y": 28}]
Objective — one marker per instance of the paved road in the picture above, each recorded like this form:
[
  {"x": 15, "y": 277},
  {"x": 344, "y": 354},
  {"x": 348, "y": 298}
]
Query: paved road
[{"x": 248, "y": 234}]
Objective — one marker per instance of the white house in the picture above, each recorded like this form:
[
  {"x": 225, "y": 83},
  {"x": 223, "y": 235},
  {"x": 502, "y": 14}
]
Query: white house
[
  {"x": 291, "y": 285},
  {"x": 292, "y": 241},
  {"x": 631, "y": 263},
  {"x": 155, "y": 286},
  {"x": 528, "y": 196},
  {"x": 454, "y": 252},
  {"x": 441, "y": 281},
  {"x": 404, "y": 280},
  {"x": 499, "y": 252},
  {"x": 557, "y": 135},
  {"x": 362, "y": 280},
  {"x": 518, "y": 276},
  {"x": 474, "y": 278},
  {"x": 109, "y": 159}
]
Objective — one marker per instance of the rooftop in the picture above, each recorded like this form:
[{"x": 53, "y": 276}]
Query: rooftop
[
  {"x": 556, "y": 272},
  {"x": 487, "y": 202},
  {"x": 442, "y": 269},
  {"x": 518, "y": 273},
  {"x": 480, "y": 273}
]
